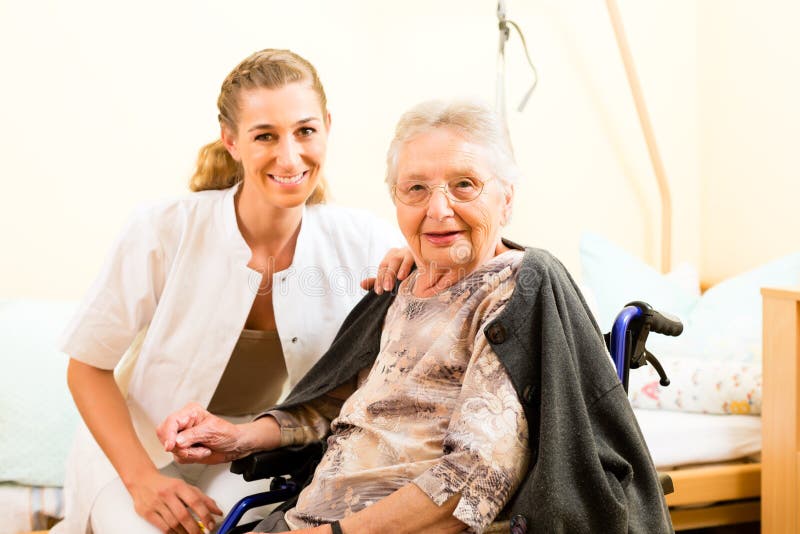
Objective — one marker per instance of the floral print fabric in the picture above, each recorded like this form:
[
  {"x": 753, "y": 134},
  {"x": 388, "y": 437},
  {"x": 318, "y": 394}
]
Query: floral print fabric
[
  {"x": 437, "y": 409},
  {"x": 702, "y": 386}
]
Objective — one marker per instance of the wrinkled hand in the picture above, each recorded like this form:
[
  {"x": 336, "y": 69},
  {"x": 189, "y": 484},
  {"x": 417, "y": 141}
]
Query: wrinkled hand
[
  {"x": 165, "y": 502},
  {"x": 193, "y": 435},
  {"x": 396, "y": 265}
]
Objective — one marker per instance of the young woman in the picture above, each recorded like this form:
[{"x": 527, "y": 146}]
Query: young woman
[{"x": 225, "y": 297}]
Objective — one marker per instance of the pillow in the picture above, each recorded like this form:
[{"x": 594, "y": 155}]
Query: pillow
[
  {"x": 727, "y": 322},
  {"x": 37, "y": 415},
  {"x": 723, "y": 324},
  {"x": 615, "y": 277},
  {"x": 702, "y": 386}
]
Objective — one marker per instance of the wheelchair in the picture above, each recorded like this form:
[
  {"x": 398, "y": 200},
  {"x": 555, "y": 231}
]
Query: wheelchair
[{"x": 291, "y": 468}]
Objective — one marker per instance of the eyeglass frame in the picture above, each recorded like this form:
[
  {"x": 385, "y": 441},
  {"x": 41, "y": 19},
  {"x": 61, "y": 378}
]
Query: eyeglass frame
[{"x": 431, "y": 188}]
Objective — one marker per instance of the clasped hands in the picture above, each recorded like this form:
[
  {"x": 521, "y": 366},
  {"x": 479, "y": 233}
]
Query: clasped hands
[{"x": 194, "y": 435}]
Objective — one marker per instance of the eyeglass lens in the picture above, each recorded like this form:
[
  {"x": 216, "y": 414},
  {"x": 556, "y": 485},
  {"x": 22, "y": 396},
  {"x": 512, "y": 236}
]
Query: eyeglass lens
[{"x": 459, "y": 189}]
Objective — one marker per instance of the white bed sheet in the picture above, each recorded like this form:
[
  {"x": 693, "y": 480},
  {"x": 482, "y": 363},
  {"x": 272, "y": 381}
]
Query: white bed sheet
[{"x": 682, "y": 438}]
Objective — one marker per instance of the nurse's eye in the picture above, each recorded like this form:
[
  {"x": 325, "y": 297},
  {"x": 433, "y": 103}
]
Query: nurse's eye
[
  {"x": 265, "y": 137},
  {"x": 305, "y": 131}
]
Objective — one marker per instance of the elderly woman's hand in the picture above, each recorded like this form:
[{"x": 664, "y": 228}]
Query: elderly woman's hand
[{"x": 396, "y": 265}]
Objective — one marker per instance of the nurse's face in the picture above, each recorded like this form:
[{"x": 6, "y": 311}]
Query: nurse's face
[{"x": 281, "y": 139}]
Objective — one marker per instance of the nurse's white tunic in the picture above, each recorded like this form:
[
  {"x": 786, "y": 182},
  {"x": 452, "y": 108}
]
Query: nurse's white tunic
[{"x": 173, "y": 298}]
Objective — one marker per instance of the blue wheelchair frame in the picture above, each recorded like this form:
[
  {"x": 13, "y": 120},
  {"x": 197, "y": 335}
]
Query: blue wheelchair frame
[{"x": 626, "y": 343}]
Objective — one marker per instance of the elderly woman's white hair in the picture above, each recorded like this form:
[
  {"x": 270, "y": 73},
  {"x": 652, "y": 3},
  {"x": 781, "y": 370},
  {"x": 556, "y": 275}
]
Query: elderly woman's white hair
[{"x": 470, "y": 118}]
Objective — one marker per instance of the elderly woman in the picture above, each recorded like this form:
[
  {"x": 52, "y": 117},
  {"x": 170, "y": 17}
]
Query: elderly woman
[{"x": 479, "y": 391}]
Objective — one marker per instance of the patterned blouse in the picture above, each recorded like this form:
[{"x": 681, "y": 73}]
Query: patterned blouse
[{"x": 436, "y": 409}]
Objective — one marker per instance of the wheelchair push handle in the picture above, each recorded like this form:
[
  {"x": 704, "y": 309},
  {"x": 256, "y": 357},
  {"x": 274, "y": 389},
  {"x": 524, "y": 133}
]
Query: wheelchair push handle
[
  {"x": 665, "y": 323},
  {"x": 628, "y": 337},
  {"x": 659, "y": 322}
]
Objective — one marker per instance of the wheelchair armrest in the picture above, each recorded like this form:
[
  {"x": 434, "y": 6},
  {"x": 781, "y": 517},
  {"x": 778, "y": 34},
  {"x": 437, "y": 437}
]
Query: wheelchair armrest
[
  {"x": 298, "y": 461},
  {"x": 666, "y": 483}
]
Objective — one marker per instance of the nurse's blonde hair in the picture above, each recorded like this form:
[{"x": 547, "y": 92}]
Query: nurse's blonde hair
[{"x": 267, "y": 69}]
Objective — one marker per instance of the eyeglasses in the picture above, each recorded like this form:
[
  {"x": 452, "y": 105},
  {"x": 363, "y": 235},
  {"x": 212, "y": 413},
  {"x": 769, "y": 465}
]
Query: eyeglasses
[{"x": 464, "y": 189}]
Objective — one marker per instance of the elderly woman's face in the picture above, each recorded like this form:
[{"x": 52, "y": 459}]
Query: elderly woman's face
[{"x": 443, "y": 233}]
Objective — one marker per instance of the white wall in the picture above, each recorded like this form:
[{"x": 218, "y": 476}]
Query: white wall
[
  {"x": 581, "y": 142},
  {"x": 750, "y": 140},
  {"x": 106, "y": 103}
]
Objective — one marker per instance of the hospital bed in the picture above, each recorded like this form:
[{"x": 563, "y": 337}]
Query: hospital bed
[
  {"x": 764, "y": 487},
  {"x": 723, "y": 494}
]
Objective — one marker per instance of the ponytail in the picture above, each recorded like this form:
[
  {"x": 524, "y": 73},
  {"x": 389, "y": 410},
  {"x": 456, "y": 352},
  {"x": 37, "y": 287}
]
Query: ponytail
[
  {"x": 216, "y": 169},
  {"x": 320, "y": 193}
]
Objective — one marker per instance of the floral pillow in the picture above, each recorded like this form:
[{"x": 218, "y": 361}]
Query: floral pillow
[{"x": 703, "y": 386}]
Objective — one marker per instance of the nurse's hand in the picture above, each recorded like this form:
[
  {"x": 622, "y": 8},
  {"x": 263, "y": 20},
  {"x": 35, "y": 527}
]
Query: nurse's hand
[
  {"x": 396, "y": 265},
  {"x": 168, "y": 503}
]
